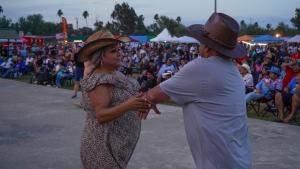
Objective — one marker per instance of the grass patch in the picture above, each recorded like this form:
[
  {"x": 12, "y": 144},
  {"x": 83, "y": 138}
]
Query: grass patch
[
  {"x": 27, "y": 79},
  {"x": 268, "y": 116}
]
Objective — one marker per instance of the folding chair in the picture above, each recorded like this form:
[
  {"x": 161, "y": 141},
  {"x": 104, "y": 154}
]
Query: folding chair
[{"x": 263, "y": 106}]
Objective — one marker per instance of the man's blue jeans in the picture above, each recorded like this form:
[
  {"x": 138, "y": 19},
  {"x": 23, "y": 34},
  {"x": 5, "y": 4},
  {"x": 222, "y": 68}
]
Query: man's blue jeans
[{"x": 253, "y": 96}]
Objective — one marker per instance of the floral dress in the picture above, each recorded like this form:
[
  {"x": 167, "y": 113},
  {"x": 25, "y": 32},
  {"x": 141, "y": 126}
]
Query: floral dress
[{"x": 109, "y": 145}]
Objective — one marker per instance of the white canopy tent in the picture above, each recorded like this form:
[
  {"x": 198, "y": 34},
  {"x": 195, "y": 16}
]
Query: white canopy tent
[
  {"x": 295, "y": 39},
  {"x": 164, "y": 36},
  {"x": 187, "y": 39}
]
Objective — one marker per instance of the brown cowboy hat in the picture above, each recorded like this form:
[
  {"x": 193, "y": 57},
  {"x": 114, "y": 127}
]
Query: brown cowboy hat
[
  {"x": 220, "y": 33},
  {"x": 96, "y": 41}
]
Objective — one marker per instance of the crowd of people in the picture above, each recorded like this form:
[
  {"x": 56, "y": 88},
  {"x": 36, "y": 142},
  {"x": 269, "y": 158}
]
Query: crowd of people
[
  {"x": 55, "y": 64},
  {"x": 49, "y": 65},
  {"x": 212, "y": 89},
  {"x": 270, "y": 72}
]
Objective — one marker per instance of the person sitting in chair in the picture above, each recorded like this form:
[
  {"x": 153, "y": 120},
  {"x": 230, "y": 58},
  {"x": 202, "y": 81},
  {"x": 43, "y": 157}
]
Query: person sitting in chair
[
  {"x": 247, "y": 77},
  {"x": 267, "y": 86},
  {"x": 288, "y": 98}
]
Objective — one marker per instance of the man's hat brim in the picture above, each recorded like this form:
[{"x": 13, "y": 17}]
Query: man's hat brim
[{"x": 197, "y": 31}]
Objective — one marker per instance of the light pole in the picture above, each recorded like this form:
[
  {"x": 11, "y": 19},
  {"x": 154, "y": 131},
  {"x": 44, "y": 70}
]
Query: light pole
[
  {"x": 215, "y": 6},
  {"x": 76, "y": 23}
]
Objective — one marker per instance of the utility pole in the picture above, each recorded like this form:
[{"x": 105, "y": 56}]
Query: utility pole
[
  {"x": 76, "y": 23},
  {"x": 215, "y": 6}
]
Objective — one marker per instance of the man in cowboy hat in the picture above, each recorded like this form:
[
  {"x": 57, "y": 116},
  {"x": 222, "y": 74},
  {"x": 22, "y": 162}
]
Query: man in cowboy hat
[
  {"x": 247, "y": 77},
  {"x": 211, "y": 91}
]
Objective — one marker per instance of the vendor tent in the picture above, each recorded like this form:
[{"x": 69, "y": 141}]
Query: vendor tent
[
  {"x": 267, "y": 39},
  {"x": 246, "y": 38},
  {"x": 77, "y": 38},
  {"x": 164, "y": 36},
  {"x": 10, "y": 40},
  {"x": 141, "y": 39},
  {"x": 295, "y": 39},
  {"x": 187, "y": 39},
  {"x": 9, "y": 35}
]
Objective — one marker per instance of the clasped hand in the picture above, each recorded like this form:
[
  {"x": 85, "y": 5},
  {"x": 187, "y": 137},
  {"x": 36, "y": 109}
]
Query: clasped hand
[{"x": 144, "y": 106}]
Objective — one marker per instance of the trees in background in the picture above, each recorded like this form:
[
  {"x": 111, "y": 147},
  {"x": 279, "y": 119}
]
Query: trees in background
[
  {"x": 5, "y": 22},
  {"x": 255, "y": 29},
  {"x": 32, "y": 24},
  {"x": 98, "y": 25},
  {"x": 59, "y": 14},
  {"x": 85, "y": 15},
  {"x": 175, "y": 27},
  {"x": 126, "y": 21},
  {"x": 296, "y": 19},
  {"x": 1, "y": 10}
]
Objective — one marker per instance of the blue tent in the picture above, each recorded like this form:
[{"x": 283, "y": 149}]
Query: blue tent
[
  {"x": 266, "y": 39},
  {"x": 142, "y": 39}
]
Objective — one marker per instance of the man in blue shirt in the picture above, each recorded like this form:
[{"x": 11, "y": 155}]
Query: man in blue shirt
[
  {"x": 211, "y": 92},
  {"x": 166, "y": 71},
  {"x": 267, "y": 86}
]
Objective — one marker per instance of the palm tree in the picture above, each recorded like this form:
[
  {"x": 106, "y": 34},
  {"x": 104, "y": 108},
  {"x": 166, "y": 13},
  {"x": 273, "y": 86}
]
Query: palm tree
[
  {"x": 178, "y": 19},
  {"x": 156, "y": 17},
  {"x": 59, "y": 13},
  {"x": 1, "y": 10},
  {"x": 85, "y": 14},
  {"x": 268, "y": 26}
]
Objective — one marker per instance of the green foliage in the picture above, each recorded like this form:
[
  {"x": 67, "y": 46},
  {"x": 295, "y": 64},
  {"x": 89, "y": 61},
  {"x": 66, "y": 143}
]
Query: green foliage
[
  {"x": 1, "y": 9},
  {"x": 86, "y": 31},
  {"x": 98, "y": 25},
  {"x": 37, "y": 26},
  {"x": 254, "y": 29},
  {"x": 85, "y": 14},
  {"x": 178, "y": 19},
  {"x": 140, "y": 28},
  {"x": 174, "y": 26},
  {"x": 284, "y": 29},
  {"x": 5, "y": 22},
  {"x": 112, "y": 27},
  {"x": 126, "y": 21},
  {"x": 59, "y": 13},
  {"x": 296, "y": 19}
]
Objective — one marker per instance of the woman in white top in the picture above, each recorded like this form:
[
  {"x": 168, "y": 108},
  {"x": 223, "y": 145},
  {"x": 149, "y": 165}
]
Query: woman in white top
[{"x": 247, "y": 77}]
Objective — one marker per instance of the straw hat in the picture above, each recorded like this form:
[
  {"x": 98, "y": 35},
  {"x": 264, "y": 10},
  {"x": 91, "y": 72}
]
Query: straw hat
[
  {"x": 220, "y": 33},
  {"x": 97, "y": 41}
]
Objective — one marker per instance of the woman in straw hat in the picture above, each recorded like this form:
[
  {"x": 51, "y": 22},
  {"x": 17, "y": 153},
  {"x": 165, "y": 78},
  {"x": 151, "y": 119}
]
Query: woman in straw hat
[{"x": 112, "y": 126}]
